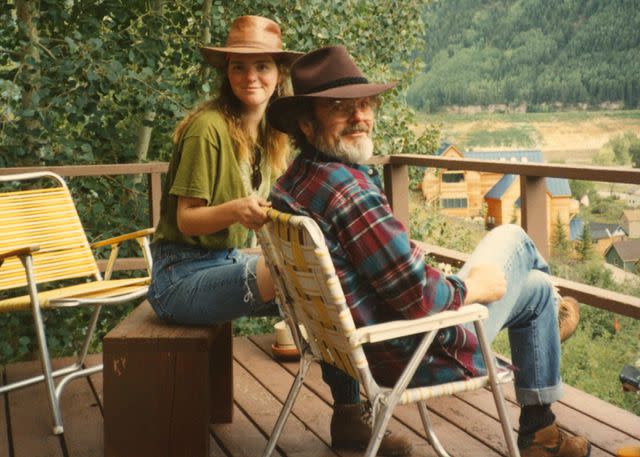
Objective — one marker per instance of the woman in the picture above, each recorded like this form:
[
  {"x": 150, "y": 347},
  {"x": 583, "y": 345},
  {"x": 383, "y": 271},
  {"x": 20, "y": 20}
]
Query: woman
[{"x": 224, "y": 160}]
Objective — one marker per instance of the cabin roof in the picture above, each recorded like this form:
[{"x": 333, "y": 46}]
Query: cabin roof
[{"x": 628, "y": 250}]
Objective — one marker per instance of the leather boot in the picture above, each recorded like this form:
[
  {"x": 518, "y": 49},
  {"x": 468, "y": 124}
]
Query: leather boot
[
  {"x": 553, "y": 442},
  {"x": 568, "y": 317},
  {"x": 351, "y": 429}
]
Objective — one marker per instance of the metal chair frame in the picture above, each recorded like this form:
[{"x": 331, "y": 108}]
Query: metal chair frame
[
  {"x": 31, "y": 240},
  {"x": 310, "y": 294}
]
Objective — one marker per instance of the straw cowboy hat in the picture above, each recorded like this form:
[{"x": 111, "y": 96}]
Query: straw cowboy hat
[
  {"x": 250, "y": 35},
  {"x": 328, "y": 72}
]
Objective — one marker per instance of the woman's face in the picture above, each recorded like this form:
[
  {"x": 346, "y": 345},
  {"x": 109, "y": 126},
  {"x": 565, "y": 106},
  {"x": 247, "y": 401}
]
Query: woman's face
[{"x": 253, "y": 79}]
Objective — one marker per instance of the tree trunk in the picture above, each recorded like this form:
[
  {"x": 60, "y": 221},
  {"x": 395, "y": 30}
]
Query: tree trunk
[
  {"x": 144, "y": 135},
  {"x": 27, "y": 14},
  {"x": 146, "y": 121},
  {"x": 205, "y": 37}
]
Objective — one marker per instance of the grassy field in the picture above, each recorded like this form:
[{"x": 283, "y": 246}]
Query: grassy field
[{"x": 563, "y": 137}]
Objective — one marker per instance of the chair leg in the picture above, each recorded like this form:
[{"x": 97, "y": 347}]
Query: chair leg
[
  {"x": 498, "y": 397},
  {"x": 379, "y": 427},
  {"x": 45, "y": 360},
  {"x": 305, "y": 363},
  {"x": 428, "y": 428},
  {"x": 91, "y": 328}
]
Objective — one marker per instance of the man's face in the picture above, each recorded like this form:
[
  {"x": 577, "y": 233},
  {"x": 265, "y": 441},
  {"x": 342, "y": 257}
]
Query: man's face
[{"x": 342, "y": 128}]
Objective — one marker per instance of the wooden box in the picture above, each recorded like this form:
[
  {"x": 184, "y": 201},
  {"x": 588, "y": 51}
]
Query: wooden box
[{"x": 163, "y": 385}]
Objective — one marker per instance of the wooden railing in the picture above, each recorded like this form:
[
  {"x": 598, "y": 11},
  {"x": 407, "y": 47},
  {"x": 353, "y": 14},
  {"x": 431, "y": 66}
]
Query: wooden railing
[{"x": 396, "y": 183}]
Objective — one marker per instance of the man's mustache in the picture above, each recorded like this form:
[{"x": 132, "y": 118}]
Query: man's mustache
[{"x": 356, "y": 128}]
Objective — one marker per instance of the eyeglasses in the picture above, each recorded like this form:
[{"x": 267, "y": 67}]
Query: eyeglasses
[{"x": 346, "y": 107}]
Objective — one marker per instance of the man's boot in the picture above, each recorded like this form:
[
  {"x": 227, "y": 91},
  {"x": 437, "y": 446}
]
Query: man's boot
[
  {"x": 351, "y": 429},
  {"x": 568, "y": 317},
  {"x": 553, "y": 442}
]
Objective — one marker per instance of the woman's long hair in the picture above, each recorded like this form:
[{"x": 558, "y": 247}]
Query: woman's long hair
[{"x": 277, "y": 143}]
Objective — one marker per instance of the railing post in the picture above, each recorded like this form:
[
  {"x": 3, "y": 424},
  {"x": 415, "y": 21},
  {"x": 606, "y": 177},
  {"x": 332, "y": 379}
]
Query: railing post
[
  {"x": 155, "y": 196},
  {"x": 533, "y": 206},
  {"x": 396, "y": 186}
]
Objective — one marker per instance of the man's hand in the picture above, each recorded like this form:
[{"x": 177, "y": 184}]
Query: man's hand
[
  {"x": 251, "y": 211},
  {"x": 485, "y": 284}
]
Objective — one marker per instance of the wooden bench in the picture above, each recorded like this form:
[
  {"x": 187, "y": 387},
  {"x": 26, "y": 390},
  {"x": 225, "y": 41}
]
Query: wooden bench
[{"x": 163, "y": 385}]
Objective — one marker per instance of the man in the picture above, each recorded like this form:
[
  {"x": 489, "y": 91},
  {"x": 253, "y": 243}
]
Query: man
[{"x": 331, "y": 117}]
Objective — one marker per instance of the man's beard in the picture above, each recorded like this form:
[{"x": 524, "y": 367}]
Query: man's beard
[{"x": 357, "y": 152}]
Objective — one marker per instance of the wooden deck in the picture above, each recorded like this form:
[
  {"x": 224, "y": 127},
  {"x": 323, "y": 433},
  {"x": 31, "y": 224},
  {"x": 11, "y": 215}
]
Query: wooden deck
[{"x": 466, "y": 423}]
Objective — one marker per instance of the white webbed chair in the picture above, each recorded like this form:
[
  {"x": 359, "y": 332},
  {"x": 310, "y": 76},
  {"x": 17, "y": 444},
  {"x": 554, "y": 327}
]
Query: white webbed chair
[{"x": 309, "y": 293}]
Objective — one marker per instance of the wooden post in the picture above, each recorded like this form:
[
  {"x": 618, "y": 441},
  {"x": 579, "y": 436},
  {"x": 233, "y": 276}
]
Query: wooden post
[
  {"x": 396, "y": 186},
  {"x": 533, "y": 205},
  {"x": 155, "y": 197}
]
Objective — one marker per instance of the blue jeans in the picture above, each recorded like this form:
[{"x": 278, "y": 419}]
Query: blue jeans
[
  {"x": 195, "y": 286},
  {"x": 529, "y": 310}
]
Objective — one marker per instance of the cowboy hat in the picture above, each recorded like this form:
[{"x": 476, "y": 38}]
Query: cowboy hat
[
  {"x": 250, "y": 35},
  {"x": 328, "y": 72}
]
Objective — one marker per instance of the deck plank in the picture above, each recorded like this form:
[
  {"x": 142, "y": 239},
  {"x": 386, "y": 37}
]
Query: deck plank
[
  {"x": 407, "y": 420},
  {"x": 600, "y": 432},
  {"x": 297, "y": 438},
  {"x": 240, "y": 438},
  {"x": 31, "y": 420},
  {"x": 467, "y": 424},
  {"x": 595, "y": 408},
  {"x": 604, "y": 412},
  {"x": 214, "y": 449},
  {"x": 309, "y": 408},
  {"x": 608, "y": 429}
]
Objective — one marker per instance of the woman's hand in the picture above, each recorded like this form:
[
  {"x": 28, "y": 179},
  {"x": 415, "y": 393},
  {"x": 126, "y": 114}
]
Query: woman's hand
[
  {"x": 251, "y": 211},
  {"x": 485, "y": 284},
  {"x": 195, "y": 218}
]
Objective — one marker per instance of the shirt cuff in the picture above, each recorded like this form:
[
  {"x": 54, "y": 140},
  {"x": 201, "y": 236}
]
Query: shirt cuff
[{"x": 459, "y": 292}]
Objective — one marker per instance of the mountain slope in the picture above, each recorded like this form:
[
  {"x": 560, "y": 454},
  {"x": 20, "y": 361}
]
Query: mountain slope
[{"x": 538, "y": 52}]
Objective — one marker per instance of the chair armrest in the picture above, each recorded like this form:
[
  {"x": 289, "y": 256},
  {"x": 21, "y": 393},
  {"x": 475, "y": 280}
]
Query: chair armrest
[
  {"x": 121, "y": 238},
  {"x": 395, "y": 329},
  {"x": 18, "y": 252}
]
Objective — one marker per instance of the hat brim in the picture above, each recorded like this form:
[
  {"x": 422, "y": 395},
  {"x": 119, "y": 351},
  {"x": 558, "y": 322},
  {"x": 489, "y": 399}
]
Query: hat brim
[
  {"x": 216, "y": 57},
  {"x": 280, "y": 111}
]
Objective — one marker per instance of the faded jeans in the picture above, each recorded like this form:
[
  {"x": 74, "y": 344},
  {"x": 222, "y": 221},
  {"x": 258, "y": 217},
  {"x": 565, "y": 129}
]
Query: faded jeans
[{"x": 529, "y": 310}]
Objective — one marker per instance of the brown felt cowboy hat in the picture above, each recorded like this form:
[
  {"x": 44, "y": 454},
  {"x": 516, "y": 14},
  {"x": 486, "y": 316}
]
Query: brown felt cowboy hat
[
  {"x": 328, "y": 72},
  {"x": 250, "y": 35}
]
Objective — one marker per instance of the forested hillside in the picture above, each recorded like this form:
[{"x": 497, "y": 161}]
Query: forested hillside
[{"x": 538, "y": 52}]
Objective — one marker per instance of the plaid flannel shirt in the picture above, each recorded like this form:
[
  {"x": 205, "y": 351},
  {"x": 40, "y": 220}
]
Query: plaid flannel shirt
[{"x": 382, "y": 273}]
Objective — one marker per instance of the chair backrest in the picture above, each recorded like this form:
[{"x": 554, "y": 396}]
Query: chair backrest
[
  {"x": 309, "y": 289},
  {"x": 36, "y": 214}
]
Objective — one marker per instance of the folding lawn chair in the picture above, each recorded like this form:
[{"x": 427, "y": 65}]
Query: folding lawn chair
[
  {"x": 42, "y": 241},
  {"x": 310, "y": 294}
]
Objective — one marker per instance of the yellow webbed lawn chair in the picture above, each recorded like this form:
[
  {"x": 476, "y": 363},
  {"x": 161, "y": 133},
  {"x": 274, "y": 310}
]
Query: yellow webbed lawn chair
[
  {"x": 42, "y": 241},
  {"x": 310, "y": 294}
]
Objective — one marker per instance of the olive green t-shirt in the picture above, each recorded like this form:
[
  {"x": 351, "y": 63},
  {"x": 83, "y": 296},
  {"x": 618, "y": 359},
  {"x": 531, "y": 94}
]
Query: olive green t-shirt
[{"x": 204, "y": 165}]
